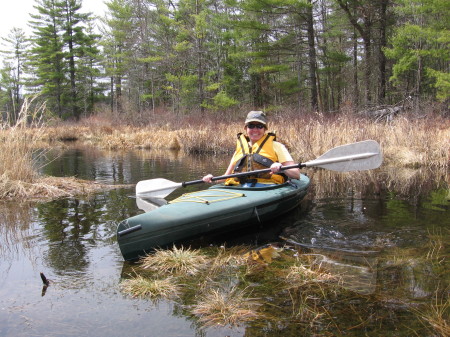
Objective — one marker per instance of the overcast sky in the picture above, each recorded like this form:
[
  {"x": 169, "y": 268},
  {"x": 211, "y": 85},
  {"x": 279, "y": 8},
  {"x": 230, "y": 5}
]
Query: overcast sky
[{"x": 16, "y": 13}]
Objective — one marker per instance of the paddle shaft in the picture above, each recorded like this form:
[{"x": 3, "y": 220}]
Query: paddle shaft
[
  {"x": 241, "y": 174},
  {"x": 364, "y": 155},
  {"x": 317, "y": 162}
]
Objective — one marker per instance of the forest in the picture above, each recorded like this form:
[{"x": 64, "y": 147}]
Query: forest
[{"x": 216, "y": 56}]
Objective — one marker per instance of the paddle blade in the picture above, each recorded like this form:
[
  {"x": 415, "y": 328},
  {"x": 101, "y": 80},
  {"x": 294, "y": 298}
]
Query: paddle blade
[
  {"x": 156, "y": 188},
  {"x": 365, "y": 155}
]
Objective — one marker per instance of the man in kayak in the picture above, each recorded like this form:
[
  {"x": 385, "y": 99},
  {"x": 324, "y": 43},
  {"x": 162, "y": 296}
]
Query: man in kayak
[{"x": 258, "y": 150}]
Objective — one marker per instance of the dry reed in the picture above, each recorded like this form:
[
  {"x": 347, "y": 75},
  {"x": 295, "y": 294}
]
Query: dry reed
[
  {"x": 407, "y": 142},
  {"x": 17, "y": 170},
  {"x": 20, "y": 151},
  {"x": 436, "y": 315}
]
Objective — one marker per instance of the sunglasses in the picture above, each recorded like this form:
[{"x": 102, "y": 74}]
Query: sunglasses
[{"x": 252, "y": 126}]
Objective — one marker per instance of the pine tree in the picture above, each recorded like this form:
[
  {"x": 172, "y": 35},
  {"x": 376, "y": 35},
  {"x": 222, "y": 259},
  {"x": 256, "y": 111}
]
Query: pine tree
[
  {"x": 160, "y": 56},
  {"x": 118, "y": 47},
  {"x": 90, "y": 90},
  {"x": 76, "y": 42},
  {"x": 16, "y": 45},
  {"x": 59, "y": 45},
  {"x": 47, "y": 56},
  {"x": 421, "y": 48}
]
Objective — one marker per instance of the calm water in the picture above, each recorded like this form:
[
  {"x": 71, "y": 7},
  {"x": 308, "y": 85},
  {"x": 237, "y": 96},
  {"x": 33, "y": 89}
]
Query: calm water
[{"x": 360, "y": 228}]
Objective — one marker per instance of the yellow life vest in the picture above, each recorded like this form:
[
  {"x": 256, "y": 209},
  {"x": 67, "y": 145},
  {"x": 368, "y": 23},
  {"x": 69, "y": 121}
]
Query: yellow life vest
[{"x": 259, "y": 156}]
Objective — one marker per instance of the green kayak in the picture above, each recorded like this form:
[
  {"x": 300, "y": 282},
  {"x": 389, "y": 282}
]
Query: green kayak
[{"x": 217, "y": 209}]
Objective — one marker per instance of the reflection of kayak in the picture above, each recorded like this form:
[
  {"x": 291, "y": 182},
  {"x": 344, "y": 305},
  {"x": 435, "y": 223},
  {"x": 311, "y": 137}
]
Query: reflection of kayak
[
  {"x": 149, "y": 204},
  {"x": 215, "y": 210}
]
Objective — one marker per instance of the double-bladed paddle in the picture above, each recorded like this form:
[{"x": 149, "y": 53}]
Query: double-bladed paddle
[{"x": 358, "y": 156}]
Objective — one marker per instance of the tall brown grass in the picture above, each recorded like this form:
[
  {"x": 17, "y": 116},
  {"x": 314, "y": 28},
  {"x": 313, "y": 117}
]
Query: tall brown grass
[
  {"x": 407, "y": 141},
  {"x": 17, "y": 146},
  {"x": 22, "y": 146}
]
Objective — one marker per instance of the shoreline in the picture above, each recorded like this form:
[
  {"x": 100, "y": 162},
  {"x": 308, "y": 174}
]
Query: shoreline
[{"x": 410, "y": 143}]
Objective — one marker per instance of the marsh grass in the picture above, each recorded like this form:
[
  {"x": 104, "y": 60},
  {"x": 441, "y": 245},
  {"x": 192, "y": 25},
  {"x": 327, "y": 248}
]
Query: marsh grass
[
  {"x": 305, "y": 307},
  {"x": 407, "y": 141},
  {"x": 221, "y": 286},
  {"x": 24, "y": 145},
  {"x": 311, "y": 287},
  {"x": 142, "y": 287},
  {"x": 402, "y": 257},
  {"x": 224, "y": 259},
  {"x": 435, "y": 315},
  {"x": 200, "y": 275},
  {"x": 301, "y": 274},
  {"x": 17, "y": 147},
  {"x": 435, "y": 247},
  {"x": 175, "y": 261},
  {"x": 420, "y": 265},
  {"x": 226, "y": 307},
  {"x": 202, "y": 278},
  {"x": 431, "y": 254}
]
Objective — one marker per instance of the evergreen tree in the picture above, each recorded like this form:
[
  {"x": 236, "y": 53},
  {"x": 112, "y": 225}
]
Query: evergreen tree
[
  {"x": 215, "y": 54},
  {"x": 421, "y": 48},
  {"x": 160, "y": 55},
  {"x": 47, "y": 56},
  {"x": 76, "y": 44},
  {"x": 59, "y": 45},
  {"x": 335, "y": 47},
  {"x": 191, "y": 19},
  {"x": 11, "y": 82},
  {"x": 279, "y": 44},
  {"x": 223, "y": 78},
  {"x": 118, "y": 47},
  {"x": 90, "y": 89}
]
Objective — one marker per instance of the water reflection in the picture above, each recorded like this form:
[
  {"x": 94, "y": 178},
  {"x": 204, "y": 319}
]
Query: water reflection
[
  {"x": 128, "y": 167},
  {"x": 16, "y": 228},
  {"x": 383, "y": 230},
  {"x": 72, "y": 227},
  {"x": 382, "y": 245}
]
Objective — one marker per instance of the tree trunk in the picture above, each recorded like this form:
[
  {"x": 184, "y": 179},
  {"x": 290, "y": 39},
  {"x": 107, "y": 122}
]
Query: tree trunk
[
  {"x": 312, "y": 57},
  {"x": 381, "y": 56},
  {"x": 111, "y": 93},
  {"x": 355, "y": 70},
  {"x": 367, "y": 70}
]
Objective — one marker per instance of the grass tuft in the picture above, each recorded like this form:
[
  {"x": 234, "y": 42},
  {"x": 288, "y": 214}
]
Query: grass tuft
[
  {"x": 140, "y": 287},
  {"x": 436, "y": 315},
  {"x": 232, "y": 308},
  {"x": 175, "y": 261},
  {"x": 302, "y": 273}
]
